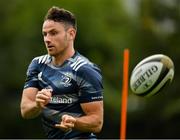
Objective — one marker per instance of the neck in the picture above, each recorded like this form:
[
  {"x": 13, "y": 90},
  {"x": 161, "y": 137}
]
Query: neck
[{"x": 63, "y": 56}]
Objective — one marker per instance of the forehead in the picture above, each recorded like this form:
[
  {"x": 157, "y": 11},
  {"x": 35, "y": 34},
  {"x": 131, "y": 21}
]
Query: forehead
[{"x": 50, "y": 25}]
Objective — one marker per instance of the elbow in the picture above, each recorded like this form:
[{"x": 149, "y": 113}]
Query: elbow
[
  {"x": 24, "y": 113},
  {"x": 29, "y": 113},
  {"x": 24, "y": 116},
  {"x": 97, "y": 130},
  {"x": 98, "y": 127}
]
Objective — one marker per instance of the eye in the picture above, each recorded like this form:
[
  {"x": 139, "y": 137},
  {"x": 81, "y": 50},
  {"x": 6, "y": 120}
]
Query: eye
[
  {"x": 53, "y": 32},
  {"x": 44, "y": 34}
]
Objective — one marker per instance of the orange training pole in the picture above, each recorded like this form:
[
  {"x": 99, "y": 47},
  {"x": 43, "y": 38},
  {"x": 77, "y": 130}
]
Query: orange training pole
[{"x": 124, "y": 95}]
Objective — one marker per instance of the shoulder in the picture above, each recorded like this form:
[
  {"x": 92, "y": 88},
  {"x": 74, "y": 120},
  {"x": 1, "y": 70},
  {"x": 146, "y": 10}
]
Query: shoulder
[
  {"x": 43, "y": 59},
  {"x": 39, "y": 61},
  {"x": 89, "y": 71},
  {"x": 78, "y": 61},
  {"x": 84, "y": 67}
]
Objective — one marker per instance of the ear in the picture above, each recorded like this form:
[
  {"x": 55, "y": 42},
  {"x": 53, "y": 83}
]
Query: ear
[{"x": 71, "y": 33}]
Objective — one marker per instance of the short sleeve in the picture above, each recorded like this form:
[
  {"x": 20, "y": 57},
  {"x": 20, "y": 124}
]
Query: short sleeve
[
  {"x": 32, "y": 75},
  {"x": 90, "y": 84}
]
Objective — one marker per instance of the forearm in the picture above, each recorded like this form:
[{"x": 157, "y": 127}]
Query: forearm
[
  {"x": 90, "y": 123},
  {"x": 30, "y": 110},
  {"x": 33, "y": 101}
]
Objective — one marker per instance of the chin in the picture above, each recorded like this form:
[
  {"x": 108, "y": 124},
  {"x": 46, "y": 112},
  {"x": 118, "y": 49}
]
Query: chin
[{"x": 51, "y": 54}]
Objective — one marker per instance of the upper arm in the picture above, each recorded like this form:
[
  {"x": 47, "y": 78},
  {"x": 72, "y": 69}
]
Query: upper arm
[
  {"x": 32, "y": 75},
  {"x": 28, "y": 103},
  {"x": 95, "y": 108},
  {"x": 90, "y": 84},
  {"x": 94, "y": 111},
  {"x": 91, "y": 92}
]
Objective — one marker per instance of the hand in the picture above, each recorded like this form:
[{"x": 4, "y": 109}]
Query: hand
[
  {"x": 67, "y": 123},
  {"x": 43, "y": 97}
]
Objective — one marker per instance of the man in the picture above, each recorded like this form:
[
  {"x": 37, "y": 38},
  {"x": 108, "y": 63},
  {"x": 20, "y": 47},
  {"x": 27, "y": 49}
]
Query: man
[{"x": 63, "y": 86}]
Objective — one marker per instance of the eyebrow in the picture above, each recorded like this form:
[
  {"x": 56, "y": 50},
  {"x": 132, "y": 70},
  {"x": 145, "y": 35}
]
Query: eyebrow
[{"x": 48, "y": 31}]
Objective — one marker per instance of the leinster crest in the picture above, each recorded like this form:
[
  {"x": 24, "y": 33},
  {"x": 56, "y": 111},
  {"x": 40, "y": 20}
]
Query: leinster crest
[{"x": 65, "y": 81}]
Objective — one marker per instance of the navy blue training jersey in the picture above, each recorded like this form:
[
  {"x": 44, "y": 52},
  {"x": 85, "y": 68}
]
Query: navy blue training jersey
[{"x": 76, "y": 81}]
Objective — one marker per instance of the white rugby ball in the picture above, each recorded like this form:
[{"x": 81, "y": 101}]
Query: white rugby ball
[{"x": 151, "y": 75}]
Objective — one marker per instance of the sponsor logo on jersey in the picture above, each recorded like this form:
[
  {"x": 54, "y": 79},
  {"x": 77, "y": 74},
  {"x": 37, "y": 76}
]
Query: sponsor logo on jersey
[
  {"x": 97, "y": 97},
  {"x": 61, "y": 100}
]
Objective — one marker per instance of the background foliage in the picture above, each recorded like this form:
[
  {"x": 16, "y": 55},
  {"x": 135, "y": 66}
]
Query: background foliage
[{"x": 105, "y": 29}]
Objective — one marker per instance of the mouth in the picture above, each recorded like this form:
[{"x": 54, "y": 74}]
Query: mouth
[{"x": 50, "y": 46}]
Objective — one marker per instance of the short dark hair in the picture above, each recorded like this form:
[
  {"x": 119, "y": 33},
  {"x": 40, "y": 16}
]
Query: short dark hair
[{"x": 61, "y": 15}]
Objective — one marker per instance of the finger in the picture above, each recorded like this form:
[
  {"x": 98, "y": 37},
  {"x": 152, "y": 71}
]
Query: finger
[
  {"x": 40, "y": 103},
  {"x": 40, "y": 100},
  {"x": 69, "y": 125},
  {"x": 47, "y": 92},
  {"x": 61, "y": 126},
  {"x": 64, "y": 117},
  {"x": 42, "y": 96},
  {"x": 50, "y": 90},
  {"x": 68, "y": 119}
]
